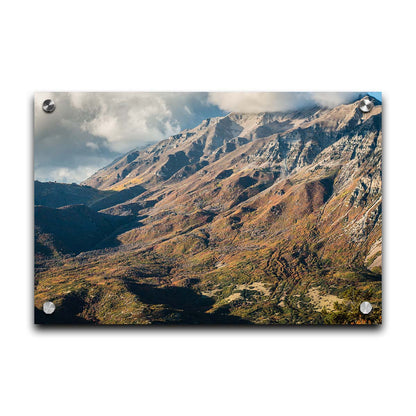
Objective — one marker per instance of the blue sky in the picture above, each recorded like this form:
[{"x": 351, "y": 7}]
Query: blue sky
[{"x": 376, "y": 95}]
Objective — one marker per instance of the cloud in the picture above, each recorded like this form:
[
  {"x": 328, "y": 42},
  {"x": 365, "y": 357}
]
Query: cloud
[
  {"x": 64, "y": 174},
  {"x": 92, "y": 145},
  {"x": 255, "y": 102},
  {"x": 125, "y": 119},
  {"x": 332, "y": 99},
  {"x": 61, "y": 146}
]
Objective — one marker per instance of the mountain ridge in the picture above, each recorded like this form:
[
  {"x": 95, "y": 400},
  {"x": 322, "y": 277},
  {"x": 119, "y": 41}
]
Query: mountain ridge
[{"x": 214, "y": 138}]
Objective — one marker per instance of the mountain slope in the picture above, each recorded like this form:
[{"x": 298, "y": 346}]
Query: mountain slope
[{"x": 274, "y": 217}]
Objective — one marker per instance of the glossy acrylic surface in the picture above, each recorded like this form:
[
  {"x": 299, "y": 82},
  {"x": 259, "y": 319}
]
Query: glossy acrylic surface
[{"x": 208, "y": 208}]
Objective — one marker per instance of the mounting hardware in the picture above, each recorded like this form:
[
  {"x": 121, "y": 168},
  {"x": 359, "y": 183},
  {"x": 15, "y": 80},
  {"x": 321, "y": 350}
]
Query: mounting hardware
[
  {"x": 49, "y": 308},
  {"x": 366, "y": 105},
  {"x": 366, "y": 308},
  {"x": 48, "y": 106}
]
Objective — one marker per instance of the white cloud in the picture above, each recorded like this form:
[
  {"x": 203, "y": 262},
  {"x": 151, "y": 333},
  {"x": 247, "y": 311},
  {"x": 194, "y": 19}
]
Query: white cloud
[
  {"x": 66, "y": 175},
  {"x": 125, "y": 119},
  {"x": 92, "y": 145},
  {"x": 332, "y": 99},
  {"x": 255, "y": 102}
]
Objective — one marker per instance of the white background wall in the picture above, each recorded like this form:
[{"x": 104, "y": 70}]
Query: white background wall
[{"x": 215, "y": 45}]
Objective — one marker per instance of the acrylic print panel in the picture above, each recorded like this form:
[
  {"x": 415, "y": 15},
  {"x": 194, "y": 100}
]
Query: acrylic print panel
[{"x": 208, "y": 208}]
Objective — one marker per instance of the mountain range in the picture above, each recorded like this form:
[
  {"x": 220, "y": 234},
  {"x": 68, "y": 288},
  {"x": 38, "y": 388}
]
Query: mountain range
[{"x": 268, "y": 218}]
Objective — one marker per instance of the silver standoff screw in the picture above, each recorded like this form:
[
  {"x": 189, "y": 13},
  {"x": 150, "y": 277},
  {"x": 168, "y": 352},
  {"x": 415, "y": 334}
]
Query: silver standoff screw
[
  {"x": 48, "y": 106},
  {"x": 366, "y": 308},
  {"x": 49, "y": 308},
  {"x": 366, "y": 105}
]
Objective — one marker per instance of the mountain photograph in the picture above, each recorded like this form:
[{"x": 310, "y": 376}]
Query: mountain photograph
[{"x": 208, "y": 208}]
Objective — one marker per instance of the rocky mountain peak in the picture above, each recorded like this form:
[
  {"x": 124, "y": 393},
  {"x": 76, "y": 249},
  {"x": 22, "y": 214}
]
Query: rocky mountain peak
[{"x": 295, "y": 137}]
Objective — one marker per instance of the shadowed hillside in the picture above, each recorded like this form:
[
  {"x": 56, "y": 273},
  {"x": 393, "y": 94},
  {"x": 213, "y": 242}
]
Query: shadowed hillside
[
  {"x": 55, "y": 195},
  {"x": 73, "y": 229}
]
